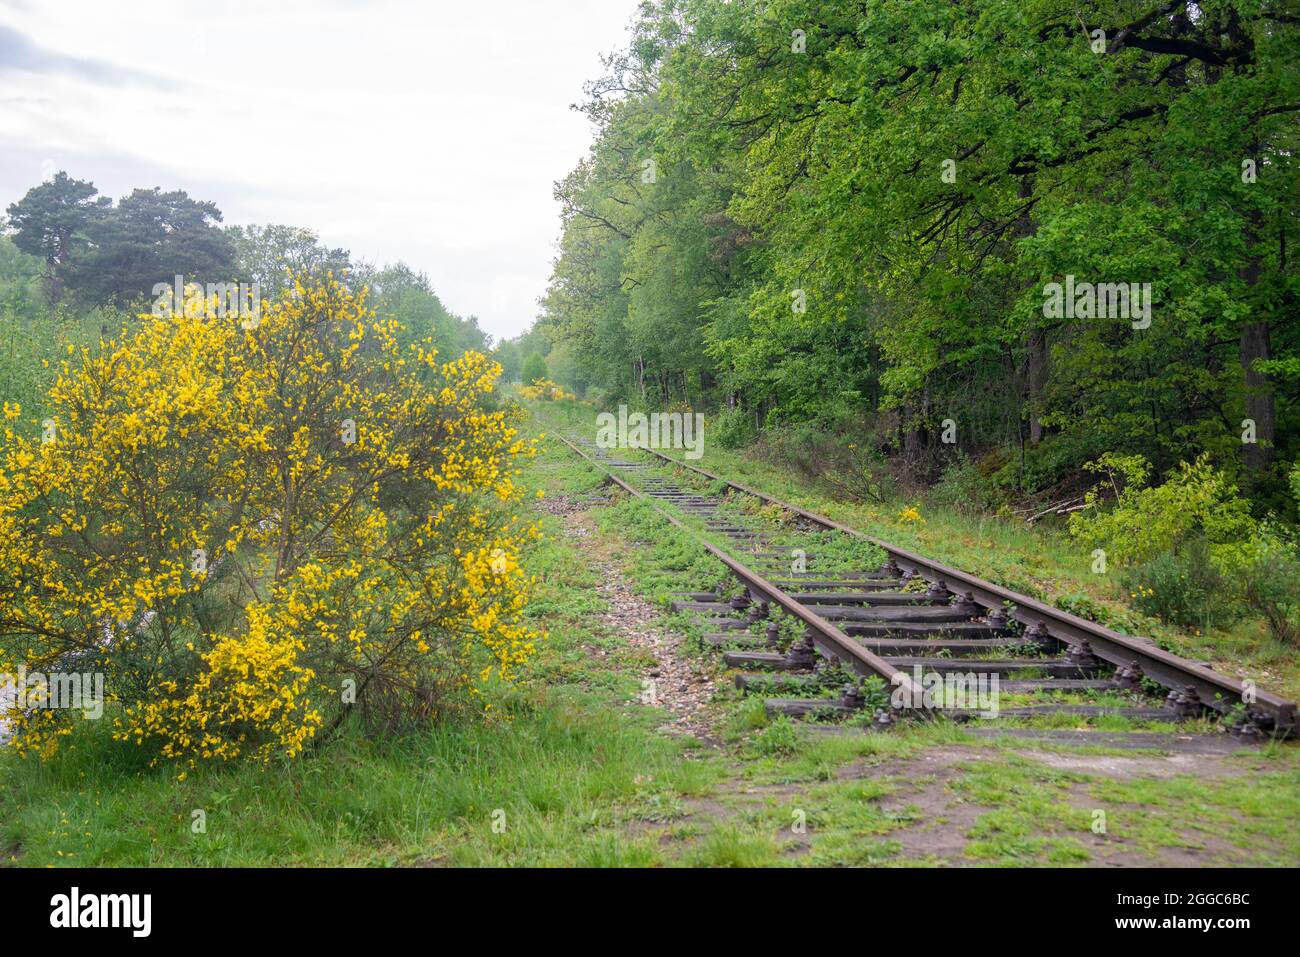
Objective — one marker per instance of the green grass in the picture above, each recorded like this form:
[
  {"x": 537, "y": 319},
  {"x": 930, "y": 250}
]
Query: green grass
[
  {"x": 1256, "y": 813},
  {"x": 731, "y": 845},
  {"x": 563, "y": 781},
  {"x": 581, "y": 777},
  {"x": 667, "y": 561},
  {"x": 564, "y": 757}
]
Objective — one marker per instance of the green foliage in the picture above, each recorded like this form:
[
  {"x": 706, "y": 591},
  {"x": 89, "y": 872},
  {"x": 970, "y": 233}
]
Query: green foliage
[
  {"x": 1194, "y": 554},
  {"x": 1197, "y": 503},
  {"x": 407, "y": 296},
  {"x": 1271, "y": 583},
  {"x": 875, "y": 694},
  {"x": 1057, "y": 460},
  {"x": 1184, "y": 589},
  {"x": 1086, "y": 606},
  {"x": 269, "y": 255},
  {"x": 148, "y": 238},
  {"x": 32, "y": 342},
  {"x": 862, "y": 226},
  {"x": 964, "y": 489},
  {"x": 732, "y": 428},
  {"x": 565, "y": 370},
  {"x": 20, "y": 314},
  {"x": 49, "y": 220},
  {"x": 534, "y": 369},
  {"x": 507, "y": 353},
  {"x": 118, "y": 253},
  {"x": 838, "y": 455}
]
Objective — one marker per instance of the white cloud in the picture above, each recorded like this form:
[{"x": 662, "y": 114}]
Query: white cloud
[{"x": 430, "y": 132}]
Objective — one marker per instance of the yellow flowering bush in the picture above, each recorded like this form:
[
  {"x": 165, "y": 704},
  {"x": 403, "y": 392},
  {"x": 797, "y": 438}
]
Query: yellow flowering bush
[
  {"x": 249, "y": 527},
  {"x": 911, "y": 515},
  {"x": 545, "y": 389}
]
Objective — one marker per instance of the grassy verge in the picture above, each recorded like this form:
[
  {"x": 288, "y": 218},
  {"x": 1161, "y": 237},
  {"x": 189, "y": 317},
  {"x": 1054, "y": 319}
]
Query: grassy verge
[{"x": 564, "y": 764}]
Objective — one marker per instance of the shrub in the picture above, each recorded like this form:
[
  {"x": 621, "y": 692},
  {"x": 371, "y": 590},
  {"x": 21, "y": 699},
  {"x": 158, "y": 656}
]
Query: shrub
[
  {"x": 1197, "y": 502},
  {"x": 239, "y": 527},
  {"x": 1183, "y": 589},
  {"x": 546, "y": 390},
  {"x": 1190, "y": 545},
  {"x": 733, "y": 428},
  {"x": 1271, "y": 583},
  {"x": 1053, "y": 464},
  {"x": 846, "y": 458},
  {"x": 534, "y": 369},
  {"x": 963, "y": 489}
]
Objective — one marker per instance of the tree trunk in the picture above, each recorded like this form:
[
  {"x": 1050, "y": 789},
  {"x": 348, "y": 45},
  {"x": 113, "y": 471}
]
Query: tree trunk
[
  {"x": 1037, "y": 380},
  {"x": 53, "y": 290},
  {"x": 1036, "y": 344},
  {"x": 914, "y": 413},
  {"x": 1258, "y": 455}
]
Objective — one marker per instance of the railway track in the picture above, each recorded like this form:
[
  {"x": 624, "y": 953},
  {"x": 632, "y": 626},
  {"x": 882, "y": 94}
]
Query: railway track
[{"x": 820, "y": 634}]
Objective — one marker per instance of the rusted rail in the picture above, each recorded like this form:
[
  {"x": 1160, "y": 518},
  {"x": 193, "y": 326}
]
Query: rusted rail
[
  {"x": 824, "y": 635},
  {"x": 1188, "y": 678}
]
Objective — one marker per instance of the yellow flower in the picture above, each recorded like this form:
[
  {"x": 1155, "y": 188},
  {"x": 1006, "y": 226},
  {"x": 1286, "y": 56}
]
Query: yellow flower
[{"x": 195, "y": 442}]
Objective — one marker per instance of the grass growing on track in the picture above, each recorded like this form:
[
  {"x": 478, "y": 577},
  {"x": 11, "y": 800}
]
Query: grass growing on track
[
  {"x": 1040, "y": 561},
  {"x": 671, "y": 560}
]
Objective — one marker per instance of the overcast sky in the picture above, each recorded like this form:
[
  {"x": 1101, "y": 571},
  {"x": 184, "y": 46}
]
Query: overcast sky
[{"x": 429, "y": 131}]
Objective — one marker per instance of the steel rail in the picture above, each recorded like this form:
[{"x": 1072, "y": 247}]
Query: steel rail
[
  {"x": 1213, "y": 690},
  {"x": 826, "y": 638}
]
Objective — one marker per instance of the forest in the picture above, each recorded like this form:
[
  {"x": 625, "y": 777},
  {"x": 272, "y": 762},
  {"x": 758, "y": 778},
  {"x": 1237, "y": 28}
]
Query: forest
[
  {"x": 77, "y": 267},
  {"x": 847, "y": 228}
]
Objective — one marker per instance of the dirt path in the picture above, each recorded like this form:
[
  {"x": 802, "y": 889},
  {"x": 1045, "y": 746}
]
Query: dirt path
[{"x": 672, "y": 680}]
